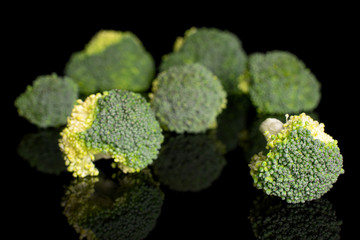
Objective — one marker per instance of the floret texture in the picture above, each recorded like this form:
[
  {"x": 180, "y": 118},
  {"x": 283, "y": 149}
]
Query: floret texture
[
  {"x": 302, "y": 162},
  {"x": 118, "y": 124},
  {"x": 281, "y": 83},
  {"x": 48, "y": 101},
  {"x": 112, "y": 60},
  {"x": 218, "y": 50},
  {"x": 187, "y": 98}
]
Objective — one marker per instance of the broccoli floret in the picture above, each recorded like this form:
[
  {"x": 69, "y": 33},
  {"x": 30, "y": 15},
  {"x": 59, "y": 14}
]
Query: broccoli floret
[
  {"x": 48, "y": 101},
  {"x": 112, "y": 60},
  {"x": 126, "y": 207},
  {"x": 301, "y": 163},
  {"x": 274, "y": 219},
  {"x": 42, "y": 152},
  {"x": 187, "y": 98},
  {"x": 254, "y": 141},
  {"x": 220, "y": 51},
  {"x": 116, "y": 124},
  {"x": 278, "y": 82},
  {"x": 190, "y": 162}
]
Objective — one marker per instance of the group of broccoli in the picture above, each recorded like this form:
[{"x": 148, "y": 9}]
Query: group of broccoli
[{"x": 113, "y": 119}]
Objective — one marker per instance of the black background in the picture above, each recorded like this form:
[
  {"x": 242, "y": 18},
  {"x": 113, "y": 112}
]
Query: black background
[{"x": 40, "y": 41}]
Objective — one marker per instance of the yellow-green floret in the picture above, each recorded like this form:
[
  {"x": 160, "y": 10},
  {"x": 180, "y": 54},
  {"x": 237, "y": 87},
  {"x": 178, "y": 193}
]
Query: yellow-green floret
[
  {"x": 301, "y": 161},
  {"x": 116, "y": 124},
  {"x": 48, "y": 101},
  {"x": 187, "y": 98},
  {"x": 279, "y": 82},
  {"x": 112, "y": 60},
  {"x": 220, "y": 51}
]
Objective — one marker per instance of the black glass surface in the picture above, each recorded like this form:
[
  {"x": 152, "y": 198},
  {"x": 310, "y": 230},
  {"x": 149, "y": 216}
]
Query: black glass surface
[{"x": 200, "y": 186}]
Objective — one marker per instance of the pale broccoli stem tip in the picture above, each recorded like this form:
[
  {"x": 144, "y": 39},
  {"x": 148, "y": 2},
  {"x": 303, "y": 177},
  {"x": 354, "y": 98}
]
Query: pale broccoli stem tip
[{"x": 271, "y": 126}]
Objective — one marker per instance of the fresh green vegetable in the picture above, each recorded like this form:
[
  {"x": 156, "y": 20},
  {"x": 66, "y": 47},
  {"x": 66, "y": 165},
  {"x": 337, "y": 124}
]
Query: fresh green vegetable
[
  {"x": 116, "y": 124},
  {"x": 112, "y": 60}
]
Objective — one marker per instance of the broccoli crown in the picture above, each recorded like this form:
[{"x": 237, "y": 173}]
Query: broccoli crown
[
  {"x": 48, "y": 101},
  {"x": 190, "y": 162},
  {"x": 123, "y": 208},
  {"x": 42, "y": 152},
  {"x": 271, "y": 219},
  {"x": 280, "y": 83},
  {"x": 112, "y": 60},
  {"x": 187, "y": 98},
  {"x": 220, "y": 51},
  {"x": 117, "y": 124},
  {"x": 302, "y": 162}
]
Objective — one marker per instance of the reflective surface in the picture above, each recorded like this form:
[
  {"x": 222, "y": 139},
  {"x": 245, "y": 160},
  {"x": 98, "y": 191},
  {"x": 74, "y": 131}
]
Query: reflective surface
[
  {"x": 198, "y": 187},
  {"x": 205, "y": 191}
]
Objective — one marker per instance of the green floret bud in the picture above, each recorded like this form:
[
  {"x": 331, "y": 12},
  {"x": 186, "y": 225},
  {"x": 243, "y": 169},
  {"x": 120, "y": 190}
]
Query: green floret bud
[
  {"x": 279, "y": 82},
  {"x": 117, "y": 124},
  {"x": 187, "y": 98},
  {"x": 301, "y": 162},
  {"x": 219, "y": 51},
  {"x": 112, "y": 60},
  {"x": 48, "y": 101}
]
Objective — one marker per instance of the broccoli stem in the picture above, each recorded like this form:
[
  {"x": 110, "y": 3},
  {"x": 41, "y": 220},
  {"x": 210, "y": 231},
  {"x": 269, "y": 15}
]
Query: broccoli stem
[
  {"x": 102, "y": 156},
  {"x": 271, "y": 126}
]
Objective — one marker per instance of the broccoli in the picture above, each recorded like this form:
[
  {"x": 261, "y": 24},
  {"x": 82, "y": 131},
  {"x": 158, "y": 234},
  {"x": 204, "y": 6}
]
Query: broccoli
[
  {"x": 301, "y": 162},
  {"x": 115, "y": 124},
  {"x": 274, "y": 219},
  {"x": 278, "y": 82},
  {"x": 42, "y": 152},
  {"x": 187, "y": 98},
  {"x": 48, "y": 102},
  {"x": 126, "y": 207},
  {"x": 219, "y": 51},
  {"x": 190, "y": 162},
  {"x": 112, "y": 60}
]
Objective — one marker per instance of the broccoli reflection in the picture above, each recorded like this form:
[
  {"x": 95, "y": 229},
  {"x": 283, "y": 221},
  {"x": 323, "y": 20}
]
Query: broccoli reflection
[
  {"x": 232, "y": 121},
  {"x": 42, "y": 152},
  {"x": 124, "y": 208},
  {"x": 190, "y": 162},
  {"x": 271, "y": 218}
]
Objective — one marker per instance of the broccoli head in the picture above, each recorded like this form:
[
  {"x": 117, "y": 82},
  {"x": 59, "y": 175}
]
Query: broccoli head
[
  {"x": 48, "y": 101},
  {"x": 126, "y": 207},
  {"x": 187, "y": 98},
  {"x": 278, "y": 82},
  {"x": 219, "y": 51},
  {"x": 112, "y": 60},
  {"x": 301, "y": 161},
  {"x": 274, "y": 219},
  {"x": 116, "y": 124}
]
